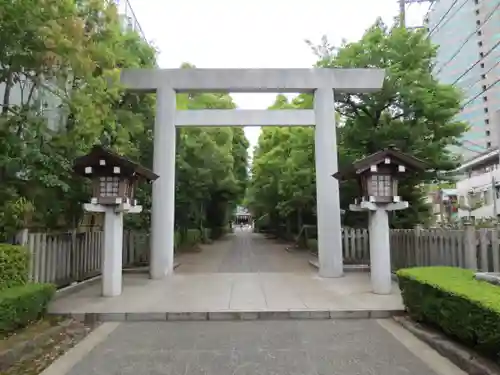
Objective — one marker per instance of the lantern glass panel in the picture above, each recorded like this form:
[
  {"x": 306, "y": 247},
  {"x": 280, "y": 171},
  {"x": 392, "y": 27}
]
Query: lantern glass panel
[
  {"x": 108, "y": 186},
  {"x": 380, "y": 185}
]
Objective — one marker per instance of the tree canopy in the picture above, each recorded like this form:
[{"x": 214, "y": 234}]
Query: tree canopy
[
  {"x": 413, "y": 112},
  {"x": 59, "y": 69}
]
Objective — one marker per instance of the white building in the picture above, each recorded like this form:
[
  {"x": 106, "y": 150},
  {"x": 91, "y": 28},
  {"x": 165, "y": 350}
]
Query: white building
[{"x": 478, "y": 185}]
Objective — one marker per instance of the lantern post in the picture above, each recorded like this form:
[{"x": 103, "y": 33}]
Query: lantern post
[
  {"x": 114, "y": 180},
  {"x": 378, "y": 175}
]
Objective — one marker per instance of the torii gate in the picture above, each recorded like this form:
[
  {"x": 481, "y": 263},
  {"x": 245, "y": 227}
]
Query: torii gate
[{"x": 321, "y": 82}]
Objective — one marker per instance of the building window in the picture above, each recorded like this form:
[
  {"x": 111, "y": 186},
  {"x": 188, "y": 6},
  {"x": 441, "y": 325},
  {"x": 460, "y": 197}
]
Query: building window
[
  {"x": 482, "y": 65},
  {"x": 477, "y": 12},
  {"x": 483, "y": 76},
  {"x": 487, "y": 121},
  {"x": 479, "y": 33},
  {"x": 481, "y": 54},
  {"x": 488, "y": 144},
  {"x": 484, "y": 88},
  {"x": 488, "y": 133},
  {"x": 485, "y": 110},
  {"x": 485, "y": 98},
  {"x": 478, "y": 22},
  {"x": 476, "y": 2},
  {"x": 480, "y": 43}
]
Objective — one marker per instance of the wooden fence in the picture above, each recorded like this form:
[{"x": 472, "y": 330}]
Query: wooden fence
[
  {"x": 472, "y": 248},
  {"x": 65, "y": 258},
  {"x": 355, "y": 246}
]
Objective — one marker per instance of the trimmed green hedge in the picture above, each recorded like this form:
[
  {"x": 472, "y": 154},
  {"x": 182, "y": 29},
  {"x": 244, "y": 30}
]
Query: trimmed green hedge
[
  {"x": 23, "y": 304},
  {"x": 14, "y": 263},
  {"x": 452, "y": 300}
]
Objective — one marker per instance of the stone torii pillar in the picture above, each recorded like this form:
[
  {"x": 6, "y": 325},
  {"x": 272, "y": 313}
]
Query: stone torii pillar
[{"x": 320, "y": 82}]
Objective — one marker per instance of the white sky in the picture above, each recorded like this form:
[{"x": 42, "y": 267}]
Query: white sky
[{"x": 256, "y": 33}]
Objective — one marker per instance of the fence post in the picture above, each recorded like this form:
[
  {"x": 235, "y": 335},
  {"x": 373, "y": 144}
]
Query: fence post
[
  {"x": 494, "y": 247},
  {"x": 73, "y": 258},
  {"x": 470, "y": 245}
]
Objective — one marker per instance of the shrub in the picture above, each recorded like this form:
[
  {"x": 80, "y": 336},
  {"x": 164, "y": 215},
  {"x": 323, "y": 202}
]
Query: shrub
[
  {"x": 23, "y": 304},
  {"x": 312, "y": 244},
  {"x": 192, "y": 237},
  {"x": 452, "y": 300},
  {"x": 218, "y": 232},
  {"x": 177, "y": 240},
  {"x": 14, "y": 265},
  {"x": 206, "y": 235}
]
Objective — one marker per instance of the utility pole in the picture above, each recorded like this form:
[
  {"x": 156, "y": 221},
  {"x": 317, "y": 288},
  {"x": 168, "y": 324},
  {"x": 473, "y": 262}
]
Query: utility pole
[{"x": 402, "y": 13}]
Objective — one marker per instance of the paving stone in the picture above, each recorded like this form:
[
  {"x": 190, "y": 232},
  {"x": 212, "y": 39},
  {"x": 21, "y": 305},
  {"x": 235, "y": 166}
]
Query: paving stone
[
  {"x": 112, "y": 317},
  {"x": 350, "y": 314},
  {"x": 305, "y": 347},
  {"x": 146, "y": 317},
  {"x": 175, "y": 316}
]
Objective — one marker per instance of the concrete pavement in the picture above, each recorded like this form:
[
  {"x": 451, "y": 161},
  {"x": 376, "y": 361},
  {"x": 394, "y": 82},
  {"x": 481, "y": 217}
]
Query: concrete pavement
[
  {"x": 245, "y": 272},
  {"x": 342, "y": 347}
]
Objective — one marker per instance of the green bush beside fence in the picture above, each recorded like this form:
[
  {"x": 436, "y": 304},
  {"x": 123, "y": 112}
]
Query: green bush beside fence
[
  {"x": 21, "y": 305},
  {"x": 312, "y": 245},
  {"x": 452, "y": 300},
  {"x": 14, "y": 265}
]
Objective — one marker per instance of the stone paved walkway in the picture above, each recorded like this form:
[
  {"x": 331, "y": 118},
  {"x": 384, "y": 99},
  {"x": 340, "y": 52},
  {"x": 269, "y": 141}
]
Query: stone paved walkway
[
  {"x": 343, "y": 347},
  {"x": 243, "y": 272},
  {"x": 244, "y": 252}
]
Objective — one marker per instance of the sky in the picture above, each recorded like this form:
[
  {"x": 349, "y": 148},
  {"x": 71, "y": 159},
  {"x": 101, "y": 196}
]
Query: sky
[{"x": 256, "y": 33}]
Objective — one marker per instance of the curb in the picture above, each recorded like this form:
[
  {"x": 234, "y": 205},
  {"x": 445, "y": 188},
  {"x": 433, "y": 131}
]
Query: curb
[
  {"x": 231, "y": 315},
  {"x": 464, "y": 358},
  {"x": 347, "y": 267},
  {"x": 77, "y": 286}
]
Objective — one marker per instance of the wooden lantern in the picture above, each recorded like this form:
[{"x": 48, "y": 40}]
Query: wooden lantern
[
  {"x": 378, "y": 174},
  {"x": 114, "y": 177}
]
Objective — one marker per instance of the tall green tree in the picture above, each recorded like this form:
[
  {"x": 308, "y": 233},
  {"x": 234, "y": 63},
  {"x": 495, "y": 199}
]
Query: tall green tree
[
  {"x": 57, "y": 59},
  {"x": 413, "y": 111}
]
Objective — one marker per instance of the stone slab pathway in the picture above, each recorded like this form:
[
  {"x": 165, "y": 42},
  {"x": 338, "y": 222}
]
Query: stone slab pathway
[
  {"x": 360, "y": 347},
  {"x": 243, "y": 272}
]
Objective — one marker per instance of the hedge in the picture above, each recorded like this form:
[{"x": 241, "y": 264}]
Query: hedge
[
  {"x": 14, "y": 265},
  {"x": 23, "y": 304},
  {"x": 312, "y": 244},
  {"x": 192, "y": 237},
  {"x": 451, "y": 299}
]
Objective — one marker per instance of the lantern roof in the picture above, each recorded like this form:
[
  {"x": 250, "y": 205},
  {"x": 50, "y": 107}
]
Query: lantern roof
[
  {"x": 395, "y": 155},
  {"x": 92, "y": 159}
]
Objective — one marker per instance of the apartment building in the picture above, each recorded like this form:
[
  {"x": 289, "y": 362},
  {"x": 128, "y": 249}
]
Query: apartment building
[{"x": 466, "y": 32}]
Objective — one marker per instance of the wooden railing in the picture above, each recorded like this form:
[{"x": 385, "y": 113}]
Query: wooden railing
[{"x": 65, "y": 258}]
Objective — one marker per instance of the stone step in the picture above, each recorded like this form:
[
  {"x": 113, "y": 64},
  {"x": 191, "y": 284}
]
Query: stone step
[{"x": 231, "y": 315}]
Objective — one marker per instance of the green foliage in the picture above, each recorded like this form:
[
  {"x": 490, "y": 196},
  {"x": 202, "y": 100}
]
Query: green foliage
[
  {"x": 413, "y": 111},
  {"x": 60, "y": 68},
  {"x": 312, "y": 244},
  {"x": 451, "y": 299},
  {"x": 192, "y": 237},
  {"x": 14, "y": 264},
  {"x": 23, "y": 304},
  {"x": 206, "y": 236},
  {"x": 57, "y": 59}
]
